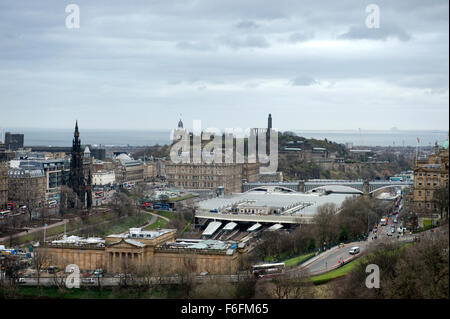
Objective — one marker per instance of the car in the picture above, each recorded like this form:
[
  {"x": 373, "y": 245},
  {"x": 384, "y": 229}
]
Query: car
[
  {"x": 98, "y": 272},
  {"x": 21, "y": 280},
  {"x": 70, "y": 270},
  {"x": 88, "y": 280},
  {"x": 354, "y": 250},
  {"x": 389, "y": 233}
]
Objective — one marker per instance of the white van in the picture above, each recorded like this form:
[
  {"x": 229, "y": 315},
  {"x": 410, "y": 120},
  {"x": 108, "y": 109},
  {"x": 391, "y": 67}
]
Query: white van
[{"x": 354, "y": 250}]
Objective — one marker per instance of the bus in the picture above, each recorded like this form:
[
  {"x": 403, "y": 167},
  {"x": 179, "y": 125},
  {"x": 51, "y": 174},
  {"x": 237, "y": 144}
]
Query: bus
[
  {"x": 99, "y": 194},
  {"x": 270, "y": 268},
  {"x": 161, "y": 206},
  {"x": 4, "y": 213},
  {"x": 146, "y": 205}
]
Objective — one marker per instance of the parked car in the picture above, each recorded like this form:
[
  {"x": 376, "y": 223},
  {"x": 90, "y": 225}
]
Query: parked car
[
  {"x": 98, "y": 272},
  {"x": 88, "y": 281},
  {"x": 354, "y": 250},
  {"x": 70, "y": 270}
]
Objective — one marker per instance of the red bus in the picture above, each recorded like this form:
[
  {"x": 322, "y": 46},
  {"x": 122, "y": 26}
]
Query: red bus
[{"x": 99, "y": 194}]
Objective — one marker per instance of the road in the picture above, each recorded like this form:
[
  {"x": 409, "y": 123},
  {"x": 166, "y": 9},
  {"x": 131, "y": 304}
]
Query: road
[
  {"x": 334, "y": 257},
  {"x": 34, "y": 230}
]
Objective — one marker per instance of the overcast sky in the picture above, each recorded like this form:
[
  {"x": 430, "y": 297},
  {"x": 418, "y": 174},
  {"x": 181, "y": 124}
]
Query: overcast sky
[{"x": 140, "y": 64}]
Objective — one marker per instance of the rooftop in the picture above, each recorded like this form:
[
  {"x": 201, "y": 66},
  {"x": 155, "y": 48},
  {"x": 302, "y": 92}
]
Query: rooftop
[
  {"x": 138, "y": 233},
  {"x": 290, "y": 202},
  {"x": 80, "y": 241},
  {"x": 208, "y": 244}
]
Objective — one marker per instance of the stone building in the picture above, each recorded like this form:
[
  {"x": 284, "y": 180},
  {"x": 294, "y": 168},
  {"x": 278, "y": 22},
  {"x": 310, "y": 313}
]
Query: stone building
[
  {"x": 150, "y": 171},
  {"x": 430, "y": 175},
  {"x": 27, "y": 186},
  {"x": 271, "y": 177},
  {"x": 103, "y": 178},
  {"x": 137, "y": 249},
  {"x": 99, "y": 165},
  {"x": 205, "y": 176},
  {"x": 3, "y": 186},
  {"x": 251, "y": 172},
  {"x": 57, "y": 174},
  {"x": 128, "y": 170}
]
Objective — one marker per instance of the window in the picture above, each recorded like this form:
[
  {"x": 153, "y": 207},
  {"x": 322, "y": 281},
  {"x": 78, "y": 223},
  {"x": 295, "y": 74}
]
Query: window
[{"x": 420, "y": 193}]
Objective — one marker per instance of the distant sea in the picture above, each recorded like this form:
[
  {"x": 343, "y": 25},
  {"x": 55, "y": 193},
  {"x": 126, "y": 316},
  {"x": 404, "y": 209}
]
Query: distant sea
[{"x": 63, "y": 137}]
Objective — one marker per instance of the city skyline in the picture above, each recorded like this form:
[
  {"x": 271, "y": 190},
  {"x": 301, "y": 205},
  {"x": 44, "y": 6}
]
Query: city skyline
[{"x": 315, "y": 67}]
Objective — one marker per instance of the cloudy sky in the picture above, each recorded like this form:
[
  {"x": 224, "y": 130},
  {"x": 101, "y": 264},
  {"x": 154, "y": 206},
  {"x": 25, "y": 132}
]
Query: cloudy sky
[{"x": 140, "y": 64}]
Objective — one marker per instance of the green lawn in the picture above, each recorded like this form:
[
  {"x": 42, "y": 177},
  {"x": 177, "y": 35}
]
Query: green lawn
[
  {"x": 164, "y": 213},
  {"x": 297, "y": 260},
  {"x": 161, "y": 223},
  {"x": 177, "y": 199},
  {"x": 124, "y": 225},
  {"x": 341, "y": 271}
]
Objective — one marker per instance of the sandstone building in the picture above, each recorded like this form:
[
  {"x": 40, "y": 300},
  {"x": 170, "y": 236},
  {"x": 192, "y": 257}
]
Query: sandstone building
[
  {"x": 27, "y": 186},
  {"x": 139, "y": 250},
  {"x": 430, "y": 176},
  {"x": 205, "y": 176}
]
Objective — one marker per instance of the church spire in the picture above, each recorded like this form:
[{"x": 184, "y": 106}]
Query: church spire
[{"x": 76, "y": 134}]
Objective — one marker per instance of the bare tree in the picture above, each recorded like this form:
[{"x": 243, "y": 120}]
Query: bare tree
[
  {"x": 325, "y": 221},
  {"x": 40, "y": 261},
  {"x": 187, "y": 274},
  {"x": 121, "y": 204},
  {"x": 441, "y": 199},
  {"x": 293, "y": 287},
  {"x": 69, "y": 200}
]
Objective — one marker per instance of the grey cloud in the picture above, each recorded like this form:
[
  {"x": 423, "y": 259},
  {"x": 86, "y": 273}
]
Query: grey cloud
[
  {"x": 153, "y": 55},
  {"x": 303, "y": 80},
  {"x": 382, "y": 33},
  {"x": 251, "y": 41},
  {"x": 192, "y": 45},
  {"x": 300, "y": 37},
  {"x": 246, "y": 24}
]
